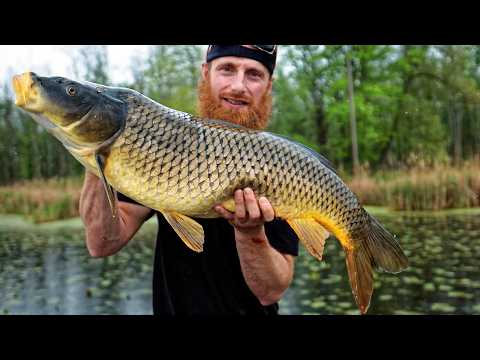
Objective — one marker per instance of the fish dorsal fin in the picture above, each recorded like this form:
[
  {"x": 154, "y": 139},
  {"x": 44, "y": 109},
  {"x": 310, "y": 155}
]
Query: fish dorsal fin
[
  {"x": 190, "y": 231},
  {"x": 311, "y": 234},
  {"x": 106, "y": 185}
]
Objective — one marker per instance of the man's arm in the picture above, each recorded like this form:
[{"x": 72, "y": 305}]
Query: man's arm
[
  {"x": 267, "y": 272},
  {"x": 106, "y": 235}
]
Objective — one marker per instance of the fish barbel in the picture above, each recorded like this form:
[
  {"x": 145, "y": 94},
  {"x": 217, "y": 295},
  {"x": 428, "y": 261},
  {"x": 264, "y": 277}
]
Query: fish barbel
[{"x": 182, "y": 165}]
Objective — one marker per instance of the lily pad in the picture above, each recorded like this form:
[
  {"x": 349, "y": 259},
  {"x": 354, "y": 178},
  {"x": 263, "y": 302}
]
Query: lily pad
[
  {"x": 442, "y": 307},
  {"x": 345, "y": 305},
  {"x": 444, "y": 287},
  {"x": 307, "y": 302},
  {"x": 352, "y": 312},
  {"x": 318, "y": 304},
  {"x": 460, "y": 295},
  {"x": 407, "y": 312},
  {"x": 429, "y": 287},
  {"x": 334, "y": 278},
  {"x": 385, "y": 297},
  {"x": 412, "y": 280}
]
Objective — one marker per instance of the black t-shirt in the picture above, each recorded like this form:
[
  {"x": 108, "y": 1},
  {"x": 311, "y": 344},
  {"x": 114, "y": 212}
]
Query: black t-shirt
[{"x": 211, "y": 282}]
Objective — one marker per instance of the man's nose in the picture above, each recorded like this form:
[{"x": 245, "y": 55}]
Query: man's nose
[{"x": 238, "y": 83}]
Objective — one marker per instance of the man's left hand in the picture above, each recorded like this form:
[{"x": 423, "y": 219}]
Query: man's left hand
[{"x": 250, "y": 214}]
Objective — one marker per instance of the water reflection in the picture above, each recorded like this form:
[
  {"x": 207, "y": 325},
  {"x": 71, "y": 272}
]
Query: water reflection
[
  {"x": 443, "y": 277},
  {"x": 48, "y": 271}
]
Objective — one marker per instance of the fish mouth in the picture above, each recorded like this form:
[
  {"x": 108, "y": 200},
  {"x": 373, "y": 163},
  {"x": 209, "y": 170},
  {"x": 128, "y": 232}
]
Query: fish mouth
[
  {"x": 27, "y": 88},
  {"x": 22, "y": 86}
]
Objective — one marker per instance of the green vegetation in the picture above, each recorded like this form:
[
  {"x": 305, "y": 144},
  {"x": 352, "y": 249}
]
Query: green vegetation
[
  {"x": 42, "y": 200},
  {"x": 416, "y": 112}
]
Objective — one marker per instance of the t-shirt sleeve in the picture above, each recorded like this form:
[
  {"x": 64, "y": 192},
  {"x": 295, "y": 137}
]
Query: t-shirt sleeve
[
  {"x": 282, "y": 237},
  {"x": 125, "y": 198}
]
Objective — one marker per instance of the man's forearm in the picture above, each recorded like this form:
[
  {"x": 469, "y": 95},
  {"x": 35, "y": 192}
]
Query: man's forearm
[
  {"x": 102, "y": 230},
  {"x": 268, "y": 273}
]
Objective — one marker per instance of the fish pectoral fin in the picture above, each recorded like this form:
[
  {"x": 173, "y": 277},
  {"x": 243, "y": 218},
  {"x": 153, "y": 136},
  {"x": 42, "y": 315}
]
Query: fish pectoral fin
[
  {"x": 190, "y": 231},
  {"x": 106, "y": 185},
  {"x": 311, "y": 234}
]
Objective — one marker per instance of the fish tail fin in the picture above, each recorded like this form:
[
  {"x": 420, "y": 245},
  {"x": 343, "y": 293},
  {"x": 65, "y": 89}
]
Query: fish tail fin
[
  {"x": 376, "y": 249},
  {"x": 385, "y": 250}
]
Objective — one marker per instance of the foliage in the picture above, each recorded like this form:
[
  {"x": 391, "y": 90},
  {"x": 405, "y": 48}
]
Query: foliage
[{"x": 411, "y": 102}]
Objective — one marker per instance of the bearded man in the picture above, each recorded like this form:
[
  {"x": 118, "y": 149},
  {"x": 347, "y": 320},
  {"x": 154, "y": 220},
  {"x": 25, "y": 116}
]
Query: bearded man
[{"x": 248, "y": 258}]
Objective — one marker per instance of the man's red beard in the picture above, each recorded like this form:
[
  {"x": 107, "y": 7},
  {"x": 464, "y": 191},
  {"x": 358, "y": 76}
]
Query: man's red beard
[{"x": 254, "y": 117}]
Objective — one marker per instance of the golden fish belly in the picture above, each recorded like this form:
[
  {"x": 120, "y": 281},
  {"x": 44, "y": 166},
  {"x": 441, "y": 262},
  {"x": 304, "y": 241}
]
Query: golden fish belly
[{"x": 164, "y": 188}]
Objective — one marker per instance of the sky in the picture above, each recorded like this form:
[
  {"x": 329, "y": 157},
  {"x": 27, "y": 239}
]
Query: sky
[
  {"x": 56, "y": 60},
  {"x": 50, "y": 60}
]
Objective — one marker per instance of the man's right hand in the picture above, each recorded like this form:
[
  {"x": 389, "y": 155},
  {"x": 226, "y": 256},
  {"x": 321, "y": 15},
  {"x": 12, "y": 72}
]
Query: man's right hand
[{"x": 106, "y": 235}]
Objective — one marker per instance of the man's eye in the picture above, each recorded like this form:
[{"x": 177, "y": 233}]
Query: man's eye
[
  {"x": 255, "y": 75},
  {"x": 227, "y": 69}
]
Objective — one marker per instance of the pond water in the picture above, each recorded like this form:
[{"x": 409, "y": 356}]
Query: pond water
[{"x": 45, "y": 269}]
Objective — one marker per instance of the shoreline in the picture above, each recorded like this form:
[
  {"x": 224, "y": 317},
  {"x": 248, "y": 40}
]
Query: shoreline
[{"x": 19, "y": 221}]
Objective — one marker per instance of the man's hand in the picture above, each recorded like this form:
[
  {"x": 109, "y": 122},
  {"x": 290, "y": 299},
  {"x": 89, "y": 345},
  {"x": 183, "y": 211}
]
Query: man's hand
[
  {"x": 267, "y": 272},
  {"x": 250, "y": 214}
]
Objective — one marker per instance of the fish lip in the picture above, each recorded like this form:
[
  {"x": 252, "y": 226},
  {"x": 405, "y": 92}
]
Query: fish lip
[{"x": 22, "y": 84}]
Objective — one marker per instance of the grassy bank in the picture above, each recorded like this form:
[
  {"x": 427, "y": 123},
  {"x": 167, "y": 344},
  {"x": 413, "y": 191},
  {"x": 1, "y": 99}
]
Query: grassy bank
[
  {"x": 441, "y": 187},
  {"x": 419, "y": 189},
  {"x": 42, "y": 200}
]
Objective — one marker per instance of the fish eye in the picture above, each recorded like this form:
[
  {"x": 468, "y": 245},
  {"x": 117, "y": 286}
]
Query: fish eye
[{"x": 71, "y": 90}]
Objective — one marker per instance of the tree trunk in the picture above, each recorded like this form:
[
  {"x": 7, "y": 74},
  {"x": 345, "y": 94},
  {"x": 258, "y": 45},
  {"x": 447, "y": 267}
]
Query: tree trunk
[
  {"x": 407, "y": 82},
  {"x": 11, "y": 144},
  {"x": 457, "y": 131},
  {"x": 353, "y": 120},
  {"x": 320, "y": 121}
]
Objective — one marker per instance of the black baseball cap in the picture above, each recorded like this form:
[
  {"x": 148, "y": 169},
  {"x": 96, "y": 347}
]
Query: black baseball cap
[{"x": 265, "y": 54}]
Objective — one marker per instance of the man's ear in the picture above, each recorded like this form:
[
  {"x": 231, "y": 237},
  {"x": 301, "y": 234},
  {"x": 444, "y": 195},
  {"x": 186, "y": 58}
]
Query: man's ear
[
  {"x": 270, "y": 85},
  {"x": 204, "y": 71}
]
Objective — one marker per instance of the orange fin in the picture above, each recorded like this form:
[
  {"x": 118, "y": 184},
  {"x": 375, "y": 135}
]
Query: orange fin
[
  {"x": 360, "y": 274},
  {"x": 311, "y": 234},
  {"x": 190, "y": 231}
]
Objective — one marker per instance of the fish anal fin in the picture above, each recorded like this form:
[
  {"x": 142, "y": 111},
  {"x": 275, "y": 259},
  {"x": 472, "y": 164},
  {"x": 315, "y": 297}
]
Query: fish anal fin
[
  {"x": 106, "y": 185},
  {"x": 190, "y": 231},
  {"x": 311, "y": 234}
]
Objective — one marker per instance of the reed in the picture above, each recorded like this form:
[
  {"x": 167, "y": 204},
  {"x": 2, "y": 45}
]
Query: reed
[
  {"x": 42, "y": 200},
  {"x": 421, "y": 188}
]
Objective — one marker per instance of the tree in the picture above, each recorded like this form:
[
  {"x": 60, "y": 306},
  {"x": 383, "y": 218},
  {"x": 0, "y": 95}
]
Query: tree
[
  {"x": 170, "y": 75},
  {"x": 90, "y": 63}
]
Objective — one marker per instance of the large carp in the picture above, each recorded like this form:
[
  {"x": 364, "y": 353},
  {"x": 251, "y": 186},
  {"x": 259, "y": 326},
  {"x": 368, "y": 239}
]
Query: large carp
[{"x": 182, "y": 166}]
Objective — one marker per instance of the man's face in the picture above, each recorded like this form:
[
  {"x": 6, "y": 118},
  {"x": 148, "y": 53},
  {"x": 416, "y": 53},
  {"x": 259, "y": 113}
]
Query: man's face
[{"x": 236, "y": 89}]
